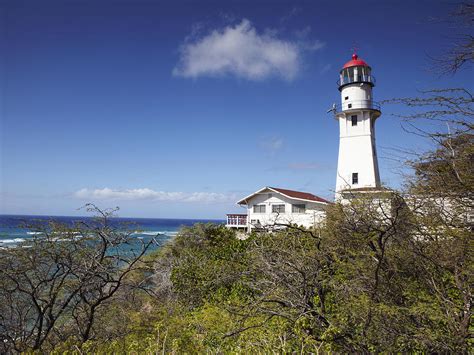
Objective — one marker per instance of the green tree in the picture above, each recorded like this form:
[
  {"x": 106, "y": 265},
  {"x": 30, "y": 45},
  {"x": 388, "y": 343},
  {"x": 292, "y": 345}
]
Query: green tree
[{"x": 53, "y": 286}]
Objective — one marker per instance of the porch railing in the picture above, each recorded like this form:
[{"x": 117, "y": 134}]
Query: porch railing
[{"x": 237, "y": 220}]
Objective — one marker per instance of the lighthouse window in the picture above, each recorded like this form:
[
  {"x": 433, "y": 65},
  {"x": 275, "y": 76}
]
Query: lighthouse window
[
  {"x": 354, "y": 120},
  {"x": 349, "y": 105},
  {"x": 346, "y": 98},
  {"x": 355, "y": 178}
]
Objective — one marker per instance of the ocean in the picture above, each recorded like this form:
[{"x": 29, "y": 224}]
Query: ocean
[{"x": 13, "y": 233}]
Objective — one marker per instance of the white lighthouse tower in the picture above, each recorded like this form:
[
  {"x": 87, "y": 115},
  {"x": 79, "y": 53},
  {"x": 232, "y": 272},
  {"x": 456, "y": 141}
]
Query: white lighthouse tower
[{"x": 357, "y": 166}]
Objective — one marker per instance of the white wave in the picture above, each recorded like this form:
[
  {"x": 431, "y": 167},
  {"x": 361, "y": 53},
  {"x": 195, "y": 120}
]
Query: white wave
[
  {"x": 75, "y": 236},
  {"x": 67, "y": 233},
  {"x": 62, "y": 239},
  {"x": 34, "y": 233},
  {"x": 154, "y": 233},
  {"x": 11, "y": 241},
  {"x": 146, "y": 233}
]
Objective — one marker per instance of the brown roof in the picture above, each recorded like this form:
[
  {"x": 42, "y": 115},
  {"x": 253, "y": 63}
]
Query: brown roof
[
  {"x": 300, "y": 195},
  {"x": 289, "y": 193}
]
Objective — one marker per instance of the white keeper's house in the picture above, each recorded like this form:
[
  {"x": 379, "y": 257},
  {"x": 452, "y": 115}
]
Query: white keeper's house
[
  {"x": 357, "y": 167},
  {"x": 275, "y": 208}
]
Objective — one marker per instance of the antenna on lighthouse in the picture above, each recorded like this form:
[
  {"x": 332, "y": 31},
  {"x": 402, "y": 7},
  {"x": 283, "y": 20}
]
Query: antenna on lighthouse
[
  {"x": 354, "y": 48},
  {"x": 332, "y": 109}
]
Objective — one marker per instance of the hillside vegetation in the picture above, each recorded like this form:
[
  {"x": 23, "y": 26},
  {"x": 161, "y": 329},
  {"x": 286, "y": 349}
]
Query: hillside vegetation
[{"x": 385, "y": 273}]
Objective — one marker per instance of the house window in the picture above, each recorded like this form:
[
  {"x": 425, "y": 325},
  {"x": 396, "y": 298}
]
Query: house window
[
  {"x": 354, "y": 120},
  {"x": 278, "y": 208},
  {"x": 298, "y": 208},
  {"x": 258, "y": 208},
  {"x": 355, "y": 178},
  {"x": 346, "y": 98}
]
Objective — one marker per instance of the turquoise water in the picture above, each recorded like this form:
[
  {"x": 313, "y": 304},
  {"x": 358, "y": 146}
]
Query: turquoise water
[{"x": 13, "y": 231}]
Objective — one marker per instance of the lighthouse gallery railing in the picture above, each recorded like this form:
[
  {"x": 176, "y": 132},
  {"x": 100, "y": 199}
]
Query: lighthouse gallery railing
[{"x": 357, "y": 104}]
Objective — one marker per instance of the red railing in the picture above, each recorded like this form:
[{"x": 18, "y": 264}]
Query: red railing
[{"x": 236, "y": 219}]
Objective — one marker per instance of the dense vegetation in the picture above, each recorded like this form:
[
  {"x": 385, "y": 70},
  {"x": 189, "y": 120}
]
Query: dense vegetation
[{"x": 387, "y": 272}]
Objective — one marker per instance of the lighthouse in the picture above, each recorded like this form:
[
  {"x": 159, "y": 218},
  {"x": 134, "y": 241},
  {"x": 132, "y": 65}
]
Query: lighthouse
[{"x": 357, "y": 166}]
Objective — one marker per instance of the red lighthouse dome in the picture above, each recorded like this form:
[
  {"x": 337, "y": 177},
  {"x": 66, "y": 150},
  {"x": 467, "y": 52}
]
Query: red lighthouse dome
[
  {"x": 355, "y": 62},
  {"x": 355, "y": 71}
]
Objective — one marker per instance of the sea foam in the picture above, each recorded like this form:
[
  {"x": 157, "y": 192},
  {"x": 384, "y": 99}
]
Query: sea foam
[
  {"x": 12, "y": 241},
  {"x": 155, "y": 233}
]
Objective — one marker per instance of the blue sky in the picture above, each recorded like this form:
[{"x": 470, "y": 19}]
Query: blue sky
[{"x": 179, "y": 108}]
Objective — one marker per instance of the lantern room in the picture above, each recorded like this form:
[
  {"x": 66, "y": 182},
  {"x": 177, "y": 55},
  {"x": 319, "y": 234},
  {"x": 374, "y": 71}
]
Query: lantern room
[{"x": 355, "y": 71}]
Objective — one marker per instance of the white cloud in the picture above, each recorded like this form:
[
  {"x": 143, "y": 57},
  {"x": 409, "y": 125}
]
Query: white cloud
[
  {"x": 312, "y": 46},
  {"x": 325, "y": 68},
  {"x": 293, "y": 12},
  {"x": 242, "y": 52},
  {"x": 271, "y": 144},
  {"x": 304, "y": 166},
  {"x": 149, "y": 194}
]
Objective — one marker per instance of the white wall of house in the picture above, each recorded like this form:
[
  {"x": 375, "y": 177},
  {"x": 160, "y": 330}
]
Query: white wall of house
[{"x": 314, "y": 212}]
